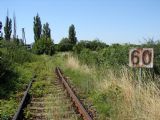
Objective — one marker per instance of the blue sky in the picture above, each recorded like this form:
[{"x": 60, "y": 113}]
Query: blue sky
[{"x": 111, "y": 21}]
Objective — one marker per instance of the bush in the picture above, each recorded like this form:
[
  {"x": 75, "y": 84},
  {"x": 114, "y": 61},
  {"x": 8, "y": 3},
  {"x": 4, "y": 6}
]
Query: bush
[
  {"x": 88, "y": 57},
  {"x": 65, "y": 45},
  {"x": 43, "y": 46},
  {"x": 11, "y": 57},
  {"x": 11, "y": 54},
  {"x": 108, "y": 102},
  {"x": 5, "y": 65},
  {"x": 15, "y": 53},
  {"x": 8, "y": 108},
  {"x": 39, "y": 88},
  {"x": 113, "y": 56},
  {"x": 94, "y": 45}
]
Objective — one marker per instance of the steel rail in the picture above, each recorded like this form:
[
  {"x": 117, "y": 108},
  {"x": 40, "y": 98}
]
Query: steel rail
[
  {"x": 19, "y": 114},
  {"x": 74, "y": 98}
]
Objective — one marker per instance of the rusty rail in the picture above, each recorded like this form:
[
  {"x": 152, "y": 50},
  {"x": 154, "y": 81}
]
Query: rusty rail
[
  {"x": 19, "y": 114},
  {"x": 74, "y": 98}
]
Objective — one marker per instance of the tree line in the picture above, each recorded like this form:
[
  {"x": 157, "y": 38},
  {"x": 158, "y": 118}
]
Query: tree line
[
  {"x": 89, "y": 52},
  {"x": 43, "y": 42}
]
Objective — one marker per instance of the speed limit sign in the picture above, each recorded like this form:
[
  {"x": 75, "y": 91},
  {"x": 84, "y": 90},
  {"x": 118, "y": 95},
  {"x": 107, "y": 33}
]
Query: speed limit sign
[{"x": 141, "y": 57}]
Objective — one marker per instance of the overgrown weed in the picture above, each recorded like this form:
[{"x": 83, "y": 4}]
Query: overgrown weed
[{"x": 118, "y": 95}]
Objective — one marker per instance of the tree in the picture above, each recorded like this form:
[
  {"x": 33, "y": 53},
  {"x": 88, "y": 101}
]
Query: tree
[
  {"x": 45, "y": 44},
  {"x": 72, "y": 35},
  {"x": 65, "y": 45},
  {"x": 14, "y": 28},
  {"x": 8, "y": 28},
  {"x": 48, "y": 43},
  {"x": 37, "y": 28},
  {"x": 46, "y": 30}
]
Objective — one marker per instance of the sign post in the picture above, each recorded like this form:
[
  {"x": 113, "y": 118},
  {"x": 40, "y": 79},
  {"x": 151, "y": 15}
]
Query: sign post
[
  {"x": 141, "y": 58},
  {"x": 140, "y": 75}
]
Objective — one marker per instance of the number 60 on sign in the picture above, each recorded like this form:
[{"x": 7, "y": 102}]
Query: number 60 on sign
[{"x": 141, "y": 57}]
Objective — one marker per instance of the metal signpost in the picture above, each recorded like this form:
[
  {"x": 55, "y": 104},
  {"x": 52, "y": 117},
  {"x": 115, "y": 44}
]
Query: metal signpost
[{"x": 141, "y": 58}]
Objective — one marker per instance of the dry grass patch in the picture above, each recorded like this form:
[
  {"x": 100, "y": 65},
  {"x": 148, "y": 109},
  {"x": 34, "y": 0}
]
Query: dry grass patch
[
  {"x": 74, "y": 63},
  {"x": 139, "y": 101}
]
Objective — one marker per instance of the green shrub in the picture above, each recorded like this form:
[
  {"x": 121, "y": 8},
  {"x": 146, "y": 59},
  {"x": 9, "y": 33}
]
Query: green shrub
[
  {"x": 43, "y": 46},
  {"x": 65, "y": 45},
  {"x": 88, "y": 57},
  {"x": 108, "y": 102},
  {"x": 15, "y": 53},
  {"x": 91, "y": 45},
  {"x": 7, "y": 109},
  {"x": 5, "y": 65},
  {"x": 39, "y": 88}
]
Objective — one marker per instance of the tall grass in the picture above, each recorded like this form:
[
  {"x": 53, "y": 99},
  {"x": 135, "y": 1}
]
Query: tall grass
[
  {"x": 139, "y": 100},
  {"x": 120, "y": 97},
  {"x": 73, "y": 63}
]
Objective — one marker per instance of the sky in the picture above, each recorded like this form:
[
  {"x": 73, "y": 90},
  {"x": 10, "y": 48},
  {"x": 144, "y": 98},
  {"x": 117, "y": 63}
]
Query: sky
[{"x": 110, "y": 21}]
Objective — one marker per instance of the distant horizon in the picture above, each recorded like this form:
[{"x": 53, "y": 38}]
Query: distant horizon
[{"x": 109, "y": 21}]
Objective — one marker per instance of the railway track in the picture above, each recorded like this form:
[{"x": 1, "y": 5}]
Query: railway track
[
  {"x": 60, "y": 103},
  {"x": 80, "y": 108}
]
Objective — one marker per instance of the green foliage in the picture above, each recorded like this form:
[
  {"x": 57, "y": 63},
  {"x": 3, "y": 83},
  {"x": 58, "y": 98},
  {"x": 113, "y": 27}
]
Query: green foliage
[
  {"x": 115, "y": 55},
  {"x": 81, "y": 80},
  {"x": 106, "y": 56},
  {"x": 108, "y": 102},
  {"x": 94, "y": 45},
  {"x": 7, "y": 109},
  {"x": 4, "y": 65},
  {"x": 10, "y": 90},
  {"x": 11, "y": 54},
  {"x": 39, "y": 88},
  {"x": 27, "y": 113},
  {"x": 37, "y": 27},
  {"x": 46, "y": 31},
  {"x": 88, "y": 57},
  {"x": 8, "y": 28},
  {"x": 15, "y": 80},
  {"x": 72, "y": 35},
  {"x": 15, "y": 53},
  {"x": 15, "y": 73},
  {"x": 12, "y": 86},
  {"x": 45, "y": 44},
  {"x": 18, "y": 65},
  {"x": 65, "y": 45}
]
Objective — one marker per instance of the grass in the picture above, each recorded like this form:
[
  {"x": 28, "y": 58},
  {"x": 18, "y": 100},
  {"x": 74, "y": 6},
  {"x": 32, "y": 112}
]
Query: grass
[
  {"x": 116, "y": 95},
  {"x": 44, "y": 70},
  {"x": 44, "y": 87},
  {"x": 12, "y": 88},
  {"x": 14, "y": 83}
]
